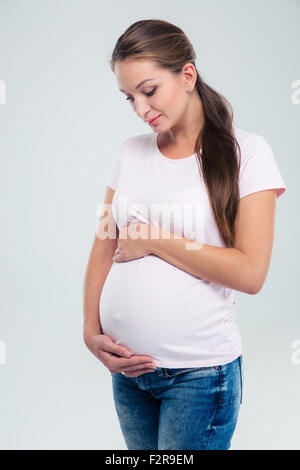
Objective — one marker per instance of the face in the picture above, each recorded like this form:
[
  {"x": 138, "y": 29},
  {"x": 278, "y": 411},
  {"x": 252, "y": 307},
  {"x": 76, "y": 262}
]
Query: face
[{"x": 164, "y": 93}]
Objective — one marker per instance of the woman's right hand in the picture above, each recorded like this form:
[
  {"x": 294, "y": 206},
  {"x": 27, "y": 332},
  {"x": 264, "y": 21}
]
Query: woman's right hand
[{"x": 115, "y": 356}]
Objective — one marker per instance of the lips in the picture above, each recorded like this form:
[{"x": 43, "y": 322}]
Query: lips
[{"x": 149, "y": 122}]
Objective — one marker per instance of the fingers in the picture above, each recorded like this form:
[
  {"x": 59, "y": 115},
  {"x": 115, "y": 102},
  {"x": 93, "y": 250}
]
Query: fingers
[
  {"x": 138, "y": 372},
  {"x": 121, "y": 351},
  {"x": 130, "y": 364},
  {"x": 118, "y": 364},
  {"x": 118, "y": 358},
  {"x": 108, "y": 345},
  {"x": 145, "y": 365}
]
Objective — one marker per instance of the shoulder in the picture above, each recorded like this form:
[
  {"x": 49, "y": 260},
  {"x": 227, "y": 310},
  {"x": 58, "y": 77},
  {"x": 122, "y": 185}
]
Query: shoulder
[
  {"x": 135, "y": 146},
  {"x": 253, "y": 146},
  {"x": 139, "y": 142},
  {"x": 258, "y": 165},
  {"x": 250, "y": 142}
]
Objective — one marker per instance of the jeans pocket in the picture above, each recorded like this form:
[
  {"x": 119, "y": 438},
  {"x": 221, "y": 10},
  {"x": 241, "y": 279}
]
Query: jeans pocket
[{"x": 184, "y": 370}]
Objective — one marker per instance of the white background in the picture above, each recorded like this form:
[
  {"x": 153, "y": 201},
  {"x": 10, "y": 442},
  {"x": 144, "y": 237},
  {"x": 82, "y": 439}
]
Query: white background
[{"x": 63, "y": 120}]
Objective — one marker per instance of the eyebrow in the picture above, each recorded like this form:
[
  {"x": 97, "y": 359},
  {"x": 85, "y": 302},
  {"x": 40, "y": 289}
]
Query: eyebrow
[{"x": 147, "y": 79}]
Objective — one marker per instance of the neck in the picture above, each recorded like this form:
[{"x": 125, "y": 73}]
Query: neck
[{"x": 187, "y": 132}]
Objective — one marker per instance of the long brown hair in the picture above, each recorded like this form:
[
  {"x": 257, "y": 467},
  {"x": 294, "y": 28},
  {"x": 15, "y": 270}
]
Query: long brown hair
[{"x": 168, "y": 47}]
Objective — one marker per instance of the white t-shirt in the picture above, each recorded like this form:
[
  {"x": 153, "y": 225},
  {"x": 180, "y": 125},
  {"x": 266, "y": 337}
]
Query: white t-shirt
[{"x": 149, "y": 305}]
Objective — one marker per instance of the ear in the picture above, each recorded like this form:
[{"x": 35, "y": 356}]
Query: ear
[{"x": 189, "y": 75}]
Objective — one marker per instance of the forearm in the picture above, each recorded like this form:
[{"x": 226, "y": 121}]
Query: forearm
[
  {"x": 229, "y": 267},
  {"x": 97, "y": 270}
]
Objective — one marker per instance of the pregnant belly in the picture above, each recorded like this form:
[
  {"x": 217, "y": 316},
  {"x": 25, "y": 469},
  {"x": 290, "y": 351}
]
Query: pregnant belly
[{"x": 155, "y": 308}]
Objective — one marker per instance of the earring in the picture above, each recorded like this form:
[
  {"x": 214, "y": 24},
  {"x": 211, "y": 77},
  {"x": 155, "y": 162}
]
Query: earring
[{"x": 189, "y": 90}]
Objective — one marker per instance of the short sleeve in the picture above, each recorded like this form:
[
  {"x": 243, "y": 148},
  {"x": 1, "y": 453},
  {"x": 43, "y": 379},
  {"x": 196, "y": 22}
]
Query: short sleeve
[
  {"x": 112, "y": 179},
  {"x": 259, "y": 170}
]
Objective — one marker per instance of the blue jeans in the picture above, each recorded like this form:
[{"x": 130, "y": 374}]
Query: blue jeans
[{"x": 186, "y": 408}]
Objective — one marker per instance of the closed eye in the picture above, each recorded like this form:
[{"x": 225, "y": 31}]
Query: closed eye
[{"x": 151, "y": 93}]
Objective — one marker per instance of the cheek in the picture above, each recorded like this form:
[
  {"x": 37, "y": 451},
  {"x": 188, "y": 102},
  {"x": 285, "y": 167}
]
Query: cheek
[{"x": 172, "y": 99}]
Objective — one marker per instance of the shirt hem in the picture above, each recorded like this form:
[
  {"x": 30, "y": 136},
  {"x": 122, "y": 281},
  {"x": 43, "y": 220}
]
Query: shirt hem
[{"x": 216, "y": 361}]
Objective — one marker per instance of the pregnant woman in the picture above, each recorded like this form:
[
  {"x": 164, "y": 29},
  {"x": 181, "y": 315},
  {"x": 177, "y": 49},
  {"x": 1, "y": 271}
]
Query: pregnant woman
[{"x": 190, "y": 217}]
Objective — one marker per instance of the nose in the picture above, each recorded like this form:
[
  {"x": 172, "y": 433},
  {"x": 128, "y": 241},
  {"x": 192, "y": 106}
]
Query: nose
[{"x": 142, "y": 110}]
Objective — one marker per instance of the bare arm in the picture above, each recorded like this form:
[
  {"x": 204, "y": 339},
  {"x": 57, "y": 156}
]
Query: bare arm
[
  {"x": 115, "y": 357},
  {"x": 244, "y": 267},
  {"x": 98, "y": 267}
]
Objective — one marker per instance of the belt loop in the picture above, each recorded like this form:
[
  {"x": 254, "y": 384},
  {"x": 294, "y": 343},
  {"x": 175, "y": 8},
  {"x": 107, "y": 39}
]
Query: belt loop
[{"x": 159, "y": 371}]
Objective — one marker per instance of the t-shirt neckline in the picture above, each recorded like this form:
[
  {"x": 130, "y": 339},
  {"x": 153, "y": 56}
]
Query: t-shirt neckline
[{"x": 172, "y": 160}]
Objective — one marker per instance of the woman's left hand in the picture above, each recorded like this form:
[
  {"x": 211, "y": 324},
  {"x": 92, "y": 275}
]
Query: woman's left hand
[{"x": 133, "y": 242}]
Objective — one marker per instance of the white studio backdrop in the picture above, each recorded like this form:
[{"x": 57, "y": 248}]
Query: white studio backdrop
[{"x": 62, "y": 119}]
